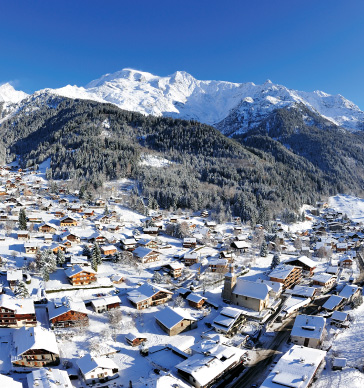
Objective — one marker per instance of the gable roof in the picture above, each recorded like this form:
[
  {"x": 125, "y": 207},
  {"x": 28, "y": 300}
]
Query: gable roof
[
  {"x": 145, "y": 291},
  {"x": 78, "y": 269},
  {"x": 251, "y": 289},
  {"x": 88, "y": 364},
  {"x": 64, "y": 305},
  {"x": 169, "y": 317}
]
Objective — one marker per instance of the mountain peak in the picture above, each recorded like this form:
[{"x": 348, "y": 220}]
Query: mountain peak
[{"x": 10, "y": 95}]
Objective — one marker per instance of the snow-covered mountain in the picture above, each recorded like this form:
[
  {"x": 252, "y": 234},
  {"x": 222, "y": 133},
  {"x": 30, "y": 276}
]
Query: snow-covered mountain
[
  {"x": 231, "y": 107},
  {"x": 9, "y": 95}
]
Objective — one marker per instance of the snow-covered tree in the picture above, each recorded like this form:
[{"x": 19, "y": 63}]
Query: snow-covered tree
[
  {"x": 263, "y": 249},
  {"x": 298, "y": 244},
  {"x": 275, "y": 261},
  {"x": 96, "y": 254},
  {"x": 22, "y": 220},
  {"x": 60, "y": 257},
  {"x": 21, "y": 290}
]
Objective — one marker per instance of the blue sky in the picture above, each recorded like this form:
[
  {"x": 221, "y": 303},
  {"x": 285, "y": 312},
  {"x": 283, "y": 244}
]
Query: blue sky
[{"x": 305, "y": 45}]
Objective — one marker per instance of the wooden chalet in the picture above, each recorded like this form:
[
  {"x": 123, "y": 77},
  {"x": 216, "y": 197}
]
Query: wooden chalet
[
  {"x": 34, "y": 347},
  {"x": 65, "y": 313},
  {"x": 78, "y": 275},
  {"x": 135, "y": 339},
  {"x": 59, "y": 213},
  {"x": 147, "y": 243},
  {"x": 148, "y": 295},
  {"x": 288, "y": 275},
  {"x": 145, "y": 255},
  {"x": 22, "y": 235},
  {"x": 128, "y": 243},
  {"x": 16, "y": 312},
  {"x": 195, "y": 300},
  {"x": 31, "y": 247},
  {"x": 174, "y": 269},
  {"x": 175, "y": 321},
  {"x": 108, "y": 250},
  {"x": 191, "y": 258},
  {"x": 68, "y": 221},
  {"x": 47, "y": 228},
  {"x": 189, "y": 242},
  {"x": 151, "y": 230},
  {"x": 308, "y": 266},
  {"x": 107, "y": 303}
]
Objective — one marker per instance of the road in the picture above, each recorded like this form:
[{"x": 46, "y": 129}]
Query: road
[{"x": 258, "y": 371}]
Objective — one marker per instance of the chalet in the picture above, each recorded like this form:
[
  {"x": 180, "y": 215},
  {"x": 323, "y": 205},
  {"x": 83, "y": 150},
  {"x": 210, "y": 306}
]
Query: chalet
[
  {"x": 66, "y": 312},
  {"x": 288, "y": 275},
  {"x": 23, "y": 235},
  {"x": 34, "y": 218},
  {"x": 48, "y": 378},
  {"x": 191, "y": 258},
  {"x": 117, "y": 279},
  {"x": 229, "y": 320},
  {"x": 308, "y": 266},
  {"x": 324, "y": 280},
  {"x": 59, "y": 214},
  {"x": 147, "y": 243},
  {"x": 76, "y": 208},
  {"x": 308, "y": 330},
  {"x": 78, "y": 275},
  {"x": 218, "y": 265},
  {"x": 128, "y": 243},
  {"x": 100, "y": 202},
  {"x": 88, "y": 213},
  {"x": 342, "y": 247},
  {"x": 148, "y": 295},
  {"x": 48, "y": 238},
  {"x": 34, "y": 347},
  {"x": 195, "y": 300},
  {"x": 145, "y": 255},
  {"x": 228, "y": 255},
  {"x": 135, "y": 339},
  {"x": 108, "y": 250},
  {"x": 346, "y": 262},
  {"x": 302, "y": 291},
  {"x": 350, "y": 292},
  {"x": 68, "y": 221},
  {"x": 97, "y": 369},
  {"x": 340, "y": 319},
  {"x": 14, "y": 276},
  {"x": 47, "y": 228},
  {"x": 16, "y": 312},
  {"x": 71, "y": 237},
  {"x": 241, "y": 246},
  {"x": 174, "y": 269},
  {"x": 203, "y": 369},
  {"x": 189, "y": 242},
  {"x": 103, "y": 219},
  {"x": 107, "y": 303},
  {"x": 334, "y": 302},
  {"x": 175, "y": 321},
  {"x": 296, "y": 368},
  {"x": 151, "y": 230},
  {"x": 98, "y": 238}
]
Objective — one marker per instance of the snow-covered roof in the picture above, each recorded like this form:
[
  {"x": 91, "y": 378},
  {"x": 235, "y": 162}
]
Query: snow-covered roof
[
  {"x": 37, "y": 337},
  {"x": 131, "y": 336},
  {"x": 88, "y": 364},
  {"x": 275, "y": 286},
  {"x": 205, "y": 368},
  {"x": 282, "y": 272},
  {"x": 142, "y": 251},
  {"x": 169, "y": 317},
  {"x": 340, "y": 316},
  {"x": 322, "y": 277},
  {"x": 174, "y": 265},
  {"x": 108, "y": 247},
  {"x": 19, "y": 306},
  {"x": 48, "y": 378},
  {"x": 348, "y": 291},
  {"x": 145, "y": 291},
  {"x": 77, "y": 269},
  {"x": 195, "y": 298},
  {"x": 332, "y": 302},
  {"x": 300, "y": 290},
  {"x": 100, "y": 302},
  {"x": 308, "y": 326},
  {"x": 251, "y": 289},
  {"x": 62, "y": 306},
  {"x": 295, "y": 368},
  {"x": 14, "y": 275},
  {"x": 304, "y": 260}
]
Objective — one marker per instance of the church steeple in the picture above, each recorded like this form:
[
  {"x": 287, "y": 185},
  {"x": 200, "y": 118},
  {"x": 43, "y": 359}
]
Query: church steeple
[{"x": 229, "y": 284}]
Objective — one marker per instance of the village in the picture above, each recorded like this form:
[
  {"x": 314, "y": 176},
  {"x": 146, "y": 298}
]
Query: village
[{"x": 95, "y": 294}]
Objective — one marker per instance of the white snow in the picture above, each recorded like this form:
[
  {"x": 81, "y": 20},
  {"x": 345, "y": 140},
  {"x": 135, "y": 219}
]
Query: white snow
[{"x": 352, "y": 206}]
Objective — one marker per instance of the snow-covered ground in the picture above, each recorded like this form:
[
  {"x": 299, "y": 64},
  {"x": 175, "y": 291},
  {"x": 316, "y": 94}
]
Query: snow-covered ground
[{"x": 352, "y": 206}]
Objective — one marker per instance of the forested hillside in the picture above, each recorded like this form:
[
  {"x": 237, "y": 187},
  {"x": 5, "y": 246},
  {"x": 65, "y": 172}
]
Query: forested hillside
[{"x": 94, "y": 142}]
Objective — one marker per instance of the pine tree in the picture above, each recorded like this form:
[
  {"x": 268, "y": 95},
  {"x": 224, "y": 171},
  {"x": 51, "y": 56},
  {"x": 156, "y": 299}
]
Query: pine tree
[
  {"x": 106, "y": 210},
  {"x": 45, "y": 274},
  {"x": 263, "y": 249},
  {"x": 94, "y": 263},
  {"x": 21, "y": 290},
  {"x": 87, "y": 251},
  {"x": 275, "y": 261},
  {"x": 60, "y": 257},
  {"x": 22, "y": 220},
  {"x": 96, "y": 254}
]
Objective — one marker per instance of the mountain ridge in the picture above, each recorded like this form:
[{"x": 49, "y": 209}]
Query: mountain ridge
[{"x": 233, "y": 108}]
